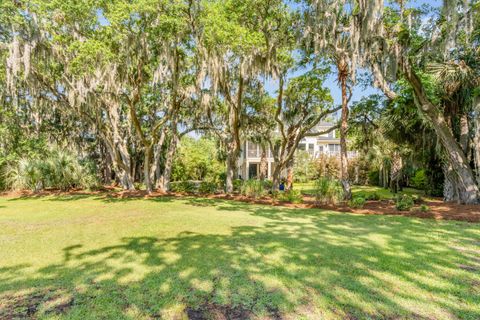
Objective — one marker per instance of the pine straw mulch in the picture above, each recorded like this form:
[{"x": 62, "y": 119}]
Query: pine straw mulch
[{"x": 438, "y": 209}]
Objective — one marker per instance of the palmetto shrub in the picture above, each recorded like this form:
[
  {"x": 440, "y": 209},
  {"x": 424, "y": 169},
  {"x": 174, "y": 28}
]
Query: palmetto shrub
[
  {"x": 358, "y": 202},
  {"x": 25, "y": 174},
  {"x": 58, "y": 170},
  {"x": 253, "y": 188},
  {"x": 237, "y": 185},
  {"x": 404, "y": 202},
  {"x": 328, "y": 191},
  {"x": 292, "y": 196}
]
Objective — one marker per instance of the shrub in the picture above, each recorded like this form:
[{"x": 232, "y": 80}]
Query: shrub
[
  {"x": 207, "y": 187},
  {"x": 305, "y": 167},
  {"x": 293, "y": 196},
  {"x": 275, "y": 194},
  {"x": 253, "y": 188},
  {"x": 237, "y": 185},
  {"x": 357, "y": 202},
  {"x": 419, "y": 180},
  {"x": 25, "y": 174},
  {"x": 183, "y": 186},
  {"x": 197, "y": 160},
  {"x": 328, "y": 191},
  {"x": 404, "y": 202},
  {"x": 374, "y": 178},
  {"x": 417, "y": 198},
  {"x": 268, "y": 184},
  {"x": 327, "y": 166},
  {"x": 424, "y": 208},
  {"x": 358, "y": 170},
  {"x": 373, "y": 196},
  {"x": 59, "y": 170}
]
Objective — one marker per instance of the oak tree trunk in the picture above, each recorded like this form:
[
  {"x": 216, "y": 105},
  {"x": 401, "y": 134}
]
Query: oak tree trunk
[
  {"x": 276, "y": 178},
  {"x": 164, "y": 181},
  {"x": 230, "y": 173},
  {"x": 468, "y": 190},
  {"x": 476, "y": 138},
  {"x": 263, "y": 163},
  {"x": 396, "y": 172},
  {"x": 146, "y": 170},
  {"x": 289, "y": 184},
  {"x": 343, "y": 142}
]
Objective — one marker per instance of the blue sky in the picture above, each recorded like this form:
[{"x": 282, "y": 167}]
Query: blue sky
[{"x": 359, "y": 91}]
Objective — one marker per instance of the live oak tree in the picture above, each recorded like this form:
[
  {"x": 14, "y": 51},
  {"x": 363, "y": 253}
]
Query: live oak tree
[
  {"x": 300, "y": 107},
  {"x": 101, "y": 68},
  {"x": 237, "y": 43},
  {"x": 399, "y": 46},
  {"x": 120, "y": 82},
  {"x": 335, "y": 30}
]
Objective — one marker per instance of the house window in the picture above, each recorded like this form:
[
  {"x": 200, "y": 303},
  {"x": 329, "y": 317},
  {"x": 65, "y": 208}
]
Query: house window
[
  {"x": 252, "y": 150},
  {"x": 311, "y": 147},
  {"x": 301, "y": 146},
  {"x": 334, "y": 148},
  {"x": 320, "y": 149}
]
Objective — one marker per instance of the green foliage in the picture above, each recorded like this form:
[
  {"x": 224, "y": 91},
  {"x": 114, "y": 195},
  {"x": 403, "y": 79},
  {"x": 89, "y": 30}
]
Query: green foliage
[
  {"x": 404, "y": 202},
  {"x": 207, "y": 187},
  {"x": 357, "y": 202},
  {"x": 328, "y": 190},
  {"x": 253, "y": 188},
  {"x": 197, "y": 159},
  {"x": 326, "y": 166},
  {"x": 292, "y": 196},
  {"x": 417, "y": 198},
  {"x": 419, "y": 180},
  {"x": 237, "y": 185},
  {"x": 373, "y": 196},
  {"x": 183, "y": 186},
  {"x": 268, "y": 184},
  {"x": 424, "y": 208},
  {"x": 374, "y": 178},
  {"x": 59, "y": 170},
  {"x": 304, "y": 167}
]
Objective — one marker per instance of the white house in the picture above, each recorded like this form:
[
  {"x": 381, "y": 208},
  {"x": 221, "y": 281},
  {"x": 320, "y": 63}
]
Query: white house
[{"x": 251, "y": 153}]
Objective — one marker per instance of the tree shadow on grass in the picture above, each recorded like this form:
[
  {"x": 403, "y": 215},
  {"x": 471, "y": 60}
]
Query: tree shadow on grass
[
  {"x": 299, "y": 262},
  {"x": 103, "y": 197}
]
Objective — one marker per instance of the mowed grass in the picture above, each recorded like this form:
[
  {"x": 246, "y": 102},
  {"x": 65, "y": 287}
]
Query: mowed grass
[{"x": 94, "y": 257}]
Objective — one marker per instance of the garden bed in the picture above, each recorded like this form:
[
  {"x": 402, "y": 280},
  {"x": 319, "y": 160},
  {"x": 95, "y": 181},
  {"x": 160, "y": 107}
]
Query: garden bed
[{"x": 438, "y": 209}]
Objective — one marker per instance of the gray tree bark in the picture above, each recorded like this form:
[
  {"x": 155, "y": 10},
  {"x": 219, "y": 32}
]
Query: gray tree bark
[
  {"x": 164, "y": 181},
  {"x": 468, "y": 189},
  {"x": 476, "y": 138},
  {"x": 347, "y": 192}
]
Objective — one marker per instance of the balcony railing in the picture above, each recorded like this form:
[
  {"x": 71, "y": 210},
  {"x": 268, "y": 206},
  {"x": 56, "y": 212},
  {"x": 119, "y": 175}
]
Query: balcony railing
[{"x": 350, "y": 154}]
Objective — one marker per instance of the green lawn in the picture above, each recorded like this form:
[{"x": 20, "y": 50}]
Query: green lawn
[
  {"x": 384, "y": 194},
  {"x": 91, "y": 257}
]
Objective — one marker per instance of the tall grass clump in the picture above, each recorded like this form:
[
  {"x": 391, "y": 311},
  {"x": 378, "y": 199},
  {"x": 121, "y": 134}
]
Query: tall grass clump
[
  {"x": 328, "y": 191},
  {"x": 253, "y": 188},
  {"x": 59, "y": 170}
]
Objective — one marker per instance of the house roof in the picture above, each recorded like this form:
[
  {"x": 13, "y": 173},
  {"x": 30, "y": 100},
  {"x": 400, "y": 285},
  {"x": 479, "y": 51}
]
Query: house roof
[{"x": 325, "y": 124}]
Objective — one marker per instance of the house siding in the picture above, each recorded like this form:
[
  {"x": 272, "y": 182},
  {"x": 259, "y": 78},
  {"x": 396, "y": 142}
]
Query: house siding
[{"x": 326, "y": 144}]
